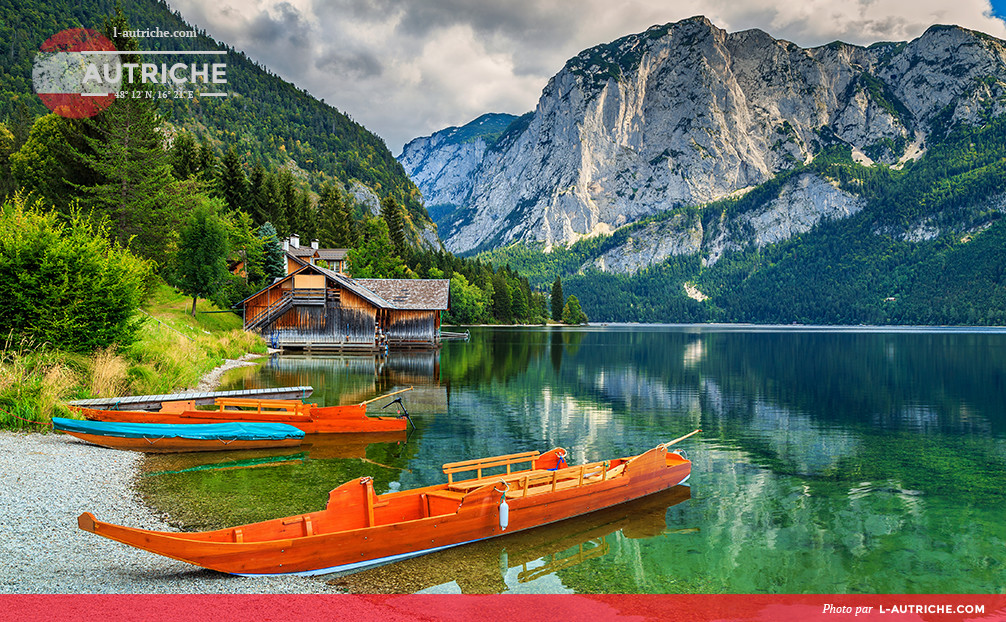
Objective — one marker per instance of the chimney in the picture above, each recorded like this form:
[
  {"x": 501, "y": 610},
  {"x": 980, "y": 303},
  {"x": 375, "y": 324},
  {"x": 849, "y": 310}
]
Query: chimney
[
  {"x": 314, "y": 244},
  {"x": 286, "y": 245},
  {"x": 295, "y": 240}
]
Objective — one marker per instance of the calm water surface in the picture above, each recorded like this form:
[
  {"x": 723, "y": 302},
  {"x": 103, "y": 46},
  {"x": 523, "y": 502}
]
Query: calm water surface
[{"x": 831, "y": 460}]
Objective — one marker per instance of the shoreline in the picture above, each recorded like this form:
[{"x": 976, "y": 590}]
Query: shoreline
[
  {"x": 212, "y": 379},
  {"x": 50, "y": 479}
]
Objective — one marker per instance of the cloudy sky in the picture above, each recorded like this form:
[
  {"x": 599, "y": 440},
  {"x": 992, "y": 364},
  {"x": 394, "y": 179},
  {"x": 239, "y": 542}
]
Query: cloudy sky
[{"x": 406, "y": 68}]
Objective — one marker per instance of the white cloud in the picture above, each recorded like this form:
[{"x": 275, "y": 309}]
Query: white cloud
[{"x": 405, "y": 68}]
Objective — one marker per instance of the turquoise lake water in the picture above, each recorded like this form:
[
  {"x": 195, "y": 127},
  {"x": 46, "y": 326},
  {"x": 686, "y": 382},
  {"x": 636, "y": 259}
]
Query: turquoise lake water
[{"x": 831, "y": 460}]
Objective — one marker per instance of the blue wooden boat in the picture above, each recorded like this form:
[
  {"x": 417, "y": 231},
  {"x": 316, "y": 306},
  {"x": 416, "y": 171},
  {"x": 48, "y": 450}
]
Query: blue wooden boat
[{"x": 171, "y": 438}]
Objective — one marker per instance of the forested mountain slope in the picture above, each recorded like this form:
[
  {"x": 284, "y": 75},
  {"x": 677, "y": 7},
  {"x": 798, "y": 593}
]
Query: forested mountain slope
[{"x": 266, "y": 118}]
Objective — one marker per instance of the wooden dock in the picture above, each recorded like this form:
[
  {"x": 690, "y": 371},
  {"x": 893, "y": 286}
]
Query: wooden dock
[{"x": 201, "y": 398}]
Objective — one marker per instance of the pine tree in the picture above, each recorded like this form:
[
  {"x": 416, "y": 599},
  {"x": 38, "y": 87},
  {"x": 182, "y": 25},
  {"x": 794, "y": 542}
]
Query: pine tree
[
  {"x": 257, "y": 202},
  {"x": 184, "y": 156},
  {"x": 336, "y": 228},
  {"x": 391, "y": 212},
  {"x": 519, "y": 304},
  {"x": 501, "y": 298},
  {"x": 557, "y": 299},
  {"x": 274, "y": 261},
  {"x": 287, "y": 193},
  {"x": 374, "y": 257},
  {"x": 275, "y": 209},
  {"x": 207, "y": 161},
  {"x": 133, "y": 173},
  {"x": 301, "y": 215},
  {"x": 231, "y": 181}
]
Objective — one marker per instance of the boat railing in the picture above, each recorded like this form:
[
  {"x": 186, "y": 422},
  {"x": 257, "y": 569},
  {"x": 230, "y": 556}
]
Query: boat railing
[
  {"x": 531, "y": 482},
  {"x": 258, "y": 404},
  {"x": 480, "y": 464}
]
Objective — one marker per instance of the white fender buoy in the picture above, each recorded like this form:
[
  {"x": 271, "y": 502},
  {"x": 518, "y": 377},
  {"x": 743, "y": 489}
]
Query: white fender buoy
[{"x": 504, "y": 514}]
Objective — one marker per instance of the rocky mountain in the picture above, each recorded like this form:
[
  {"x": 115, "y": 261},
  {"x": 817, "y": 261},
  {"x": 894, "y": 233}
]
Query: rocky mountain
[
  {"x": 443, "y": 165},
  {"x": 685, "y": 114}
]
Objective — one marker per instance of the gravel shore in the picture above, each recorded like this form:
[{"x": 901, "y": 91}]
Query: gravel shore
[{"x": 46, "y": 481}]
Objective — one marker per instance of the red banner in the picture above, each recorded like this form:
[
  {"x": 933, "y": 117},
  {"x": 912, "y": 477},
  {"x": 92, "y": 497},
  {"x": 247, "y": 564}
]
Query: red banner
[{"x": 523, "y": 608}]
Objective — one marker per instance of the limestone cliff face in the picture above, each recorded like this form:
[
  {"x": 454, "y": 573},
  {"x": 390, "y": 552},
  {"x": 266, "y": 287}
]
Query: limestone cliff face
[
  {"x": 802, "y": 203},
  {"x": 684, "y": 114},
  {"x": 443, "y": 165}
]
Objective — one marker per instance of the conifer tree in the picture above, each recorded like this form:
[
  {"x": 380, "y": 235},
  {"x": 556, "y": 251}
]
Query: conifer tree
[
  {"x": 207, "y": 161},
  {"x": 572, "y": 313},
  {"x": 232, "y": 182},
  {"x": 519, "y": 304},
  {"x": 134, "y": 174},
  {"x": 274, "y": 263},
  {"x": 257, "y": 202},
  {"x": 184, "y": 156},
  {"x": 336, "y": 228},
  {"x": 374, "y": 257},
  {"x": 391, "y": 212},
  {"x": 501, "y": 298},
  {"x": 557, "y": 299}
]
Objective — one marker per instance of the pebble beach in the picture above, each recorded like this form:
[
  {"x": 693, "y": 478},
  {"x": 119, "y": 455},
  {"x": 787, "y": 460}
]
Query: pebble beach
[{"x": 46, "y": 481}]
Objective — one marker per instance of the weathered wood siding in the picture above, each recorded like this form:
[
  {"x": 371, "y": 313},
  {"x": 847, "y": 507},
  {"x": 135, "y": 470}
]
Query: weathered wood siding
[
  {"x": 262, "y": 300},
  {"x": 405, "y": 326},
  {"x": 345, "y": 320}
]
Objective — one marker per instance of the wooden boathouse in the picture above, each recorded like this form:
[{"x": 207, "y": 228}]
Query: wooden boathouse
[{"x": 314, "y": 308}]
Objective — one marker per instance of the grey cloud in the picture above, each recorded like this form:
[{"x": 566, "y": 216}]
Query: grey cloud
[
  {"x": 361, "y": 64},
  {"x": 289, "y": 25}
]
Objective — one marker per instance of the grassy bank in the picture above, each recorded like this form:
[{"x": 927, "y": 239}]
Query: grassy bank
[{"x": 173, "y": 352}]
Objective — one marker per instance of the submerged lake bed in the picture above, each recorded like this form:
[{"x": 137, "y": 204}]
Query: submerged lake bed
[{"x": 832, "y": 460}]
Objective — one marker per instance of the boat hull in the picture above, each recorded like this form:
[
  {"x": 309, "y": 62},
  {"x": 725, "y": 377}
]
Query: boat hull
[
  {"x": 179, "y": 445},
  {"x": 397, "y": 525},
  {"x": 328, "y": 420}
]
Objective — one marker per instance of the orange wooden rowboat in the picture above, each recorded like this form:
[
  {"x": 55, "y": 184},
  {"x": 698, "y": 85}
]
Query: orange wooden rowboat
[
  {"x": 359, "y": 528},
  {"x": 170, "y": 438},
  {"x": 310, "y": 418}
]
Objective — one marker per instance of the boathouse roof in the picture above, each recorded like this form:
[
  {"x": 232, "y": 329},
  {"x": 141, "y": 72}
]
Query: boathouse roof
[
  {"x": 424, "y": 294},
  {"x": 413, "y": 294}
]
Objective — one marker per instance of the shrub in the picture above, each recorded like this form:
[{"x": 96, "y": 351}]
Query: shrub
[{"x": 63, "y": 283}]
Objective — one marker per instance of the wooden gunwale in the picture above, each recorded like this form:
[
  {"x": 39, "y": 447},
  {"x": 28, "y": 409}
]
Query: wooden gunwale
[
  {"x": 360, "y": 528},
  {"x": 310, "y": 419}
]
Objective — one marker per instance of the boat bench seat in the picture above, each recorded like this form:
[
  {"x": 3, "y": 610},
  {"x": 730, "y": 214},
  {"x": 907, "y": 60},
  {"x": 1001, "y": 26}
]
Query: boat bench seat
[
  {"x": 454, "y": 495},
  {"x": 515, "y": 476}
]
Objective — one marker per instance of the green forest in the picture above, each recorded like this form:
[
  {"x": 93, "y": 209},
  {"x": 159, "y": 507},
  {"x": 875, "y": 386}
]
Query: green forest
[
  {"x": 859, "y": 270},
  {"x": 265, "y": 119},
  {"x": 195, "y": 186}
]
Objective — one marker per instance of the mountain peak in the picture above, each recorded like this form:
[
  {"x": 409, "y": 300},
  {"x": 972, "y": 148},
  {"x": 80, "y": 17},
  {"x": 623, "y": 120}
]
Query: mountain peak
[{"x": 683, "y": 114}]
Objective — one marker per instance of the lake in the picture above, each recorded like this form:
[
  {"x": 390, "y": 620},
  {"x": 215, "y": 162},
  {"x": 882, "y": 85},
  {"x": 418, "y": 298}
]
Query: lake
[{"x": 848, "y": 460}]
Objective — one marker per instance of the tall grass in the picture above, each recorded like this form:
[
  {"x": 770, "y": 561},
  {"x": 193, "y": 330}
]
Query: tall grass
[
  {"x": 34, "y": 380},
  {"x": 108, "y": 373},
  {"x": 172, "y": 352}
]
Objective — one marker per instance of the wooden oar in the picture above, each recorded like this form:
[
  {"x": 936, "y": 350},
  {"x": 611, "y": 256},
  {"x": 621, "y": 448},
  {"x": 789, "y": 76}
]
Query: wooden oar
[
  {"x": 381, "y": 397},
  {"x": 677, "y": 440}
]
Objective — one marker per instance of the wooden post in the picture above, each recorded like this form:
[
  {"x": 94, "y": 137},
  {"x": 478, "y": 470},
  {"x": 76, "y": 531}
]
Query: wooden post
[{"x": 368, "y": 491}]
